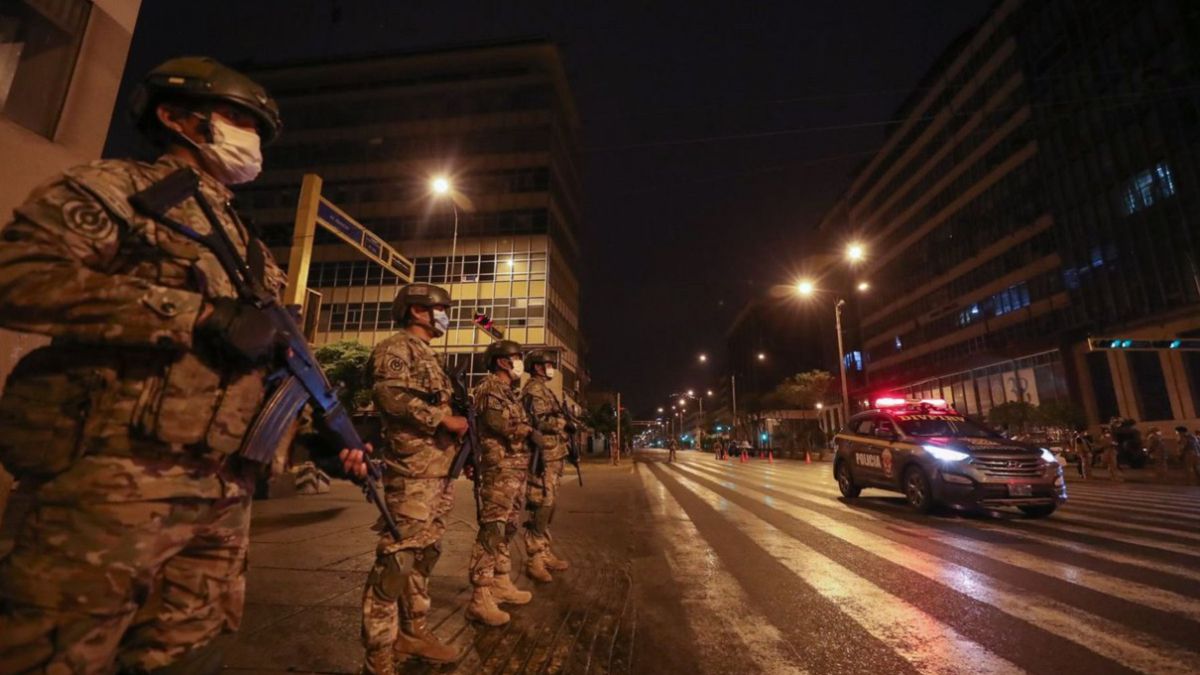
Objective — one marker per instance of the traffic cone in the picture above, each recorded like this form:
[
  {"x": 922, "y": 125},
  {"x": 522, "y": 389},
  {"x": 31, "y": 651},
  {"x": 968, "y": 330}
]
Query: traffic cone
[
  {"x": 770, "y": 457},
  {"x": 807, "y": 457}
]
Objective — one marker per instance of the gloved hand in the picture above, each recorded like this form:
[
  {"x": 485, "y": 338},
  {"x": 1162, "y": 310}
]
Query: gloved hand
[{"x": 239, "y": 330}]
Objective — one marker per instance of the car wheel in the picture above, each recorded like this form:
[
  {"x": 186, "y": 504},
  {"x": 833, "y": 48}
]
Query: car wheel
[
  {"x": 845, "y": 481},
  {"x": 917, "y": 490},
  {"x": 1038, "y": 510}
]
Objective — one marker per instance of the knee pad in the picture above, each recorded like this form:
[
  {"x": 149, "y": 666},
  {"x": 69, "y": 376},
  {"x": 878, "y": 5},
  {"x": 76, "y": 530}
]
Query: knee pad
[
  {"x": 427, "y": 558},
  {"x": 491, "y": 535},
  {"x": 390, "y": 575}
]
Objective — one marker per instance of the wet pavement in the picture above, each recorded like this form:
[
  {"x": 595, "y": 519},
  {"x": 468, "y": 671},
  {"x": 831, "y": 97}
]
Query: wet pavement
[{"x": 725, "y": 567}]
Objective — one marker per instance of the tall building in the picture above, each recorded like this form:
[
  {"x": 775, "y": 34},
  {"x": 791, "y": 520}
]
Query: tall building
[
  {"x": 500, "y": 123},
  {"x": 60, "y": 66},
  {"x": 1039, "y": 188}
]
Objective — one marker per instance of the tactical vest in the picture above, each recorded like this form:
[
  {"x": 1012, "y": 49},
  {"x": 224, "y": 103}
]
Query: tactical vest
[{"x": 70, "y": 399}]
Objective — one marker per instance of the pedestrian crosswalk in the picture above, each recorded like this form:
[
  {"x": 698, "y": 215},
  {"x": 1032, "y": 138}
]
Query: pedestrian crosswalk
[{"x": 1110, "y": 585}]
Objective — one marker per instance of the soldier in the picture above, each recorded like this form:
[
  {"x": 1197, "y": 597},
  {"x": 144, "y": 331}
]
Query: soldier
[
  {"x": 551, "y": 428},
  {"x": 503, "y": 430},
  {"x": 412, "y": 394},
  {"x": 127, "y": 425}
]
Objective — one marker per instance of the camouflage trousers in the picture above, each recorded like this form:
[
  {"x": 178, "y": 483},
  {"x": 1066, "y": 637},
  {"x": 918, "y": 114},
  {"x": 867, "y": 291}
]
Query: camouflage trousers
[
  {"x": 397, "y": 589},
  {"x": 541, "y": 500},
  {"x": 92, "y": 587},
  {"x": 502, "y": 495}
]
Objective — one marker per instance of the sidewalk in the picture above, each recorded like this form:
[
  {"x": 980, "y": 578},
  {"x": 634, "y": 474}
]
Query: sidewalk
[{"x": 309, "y": 557}]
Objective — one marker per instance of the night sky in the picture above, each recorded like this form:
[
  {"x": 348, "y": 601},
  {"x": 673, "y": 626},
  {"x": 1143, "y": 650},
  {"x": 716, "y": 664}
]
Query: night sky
[{"x": 714, "y": 140}]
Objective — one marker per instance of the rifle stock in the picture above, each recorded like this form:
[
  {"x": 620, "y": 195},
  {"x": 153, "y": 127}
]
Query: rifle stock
[{"x": 469, "y": 451}]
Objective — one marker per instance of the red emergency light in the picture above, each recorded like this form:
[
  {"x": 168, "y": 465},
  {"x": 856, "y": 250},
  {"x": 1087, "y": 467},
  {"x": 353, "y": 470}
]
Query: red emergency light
[{"x": 889, "y": 402}]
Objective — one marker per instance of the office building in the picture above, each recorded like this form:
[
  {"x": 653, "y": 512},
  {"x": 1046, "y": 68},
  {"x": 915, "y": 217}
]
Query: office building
[
  {"x": 499, "y": 122},
  {"x": 1039, "y": 188}
]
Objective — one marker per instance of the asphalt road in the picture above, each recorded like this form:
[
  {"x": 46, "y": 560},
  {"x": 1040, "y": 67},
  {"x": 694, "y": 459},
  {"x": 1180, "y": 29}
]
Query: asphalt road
[
  {"x": 711, "y": 567},
  {"x": 787, "y": 577}
]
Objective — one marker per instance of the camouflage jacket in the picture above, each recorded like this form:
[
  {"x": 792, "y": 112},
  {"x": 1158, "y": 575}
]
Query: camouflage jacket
[
  {"x": 122, "y": 381},
  {"x": 412, "y": 394},
  {"x": 549, "y": 422},
  {"x": 503, "y": 424}
]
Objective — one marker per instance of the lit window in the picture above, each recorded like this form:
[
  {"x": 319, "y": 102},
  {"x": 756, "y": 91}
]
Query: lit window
[
  {"x": 1147, "y": 187},
  {"x": 898, "y": 343}
]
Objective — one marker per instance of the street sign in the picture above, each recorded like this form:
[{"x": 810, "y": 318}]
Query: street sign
[
  {"x": 354, "y": 233},
  {"x": 1141, "y": 345}
]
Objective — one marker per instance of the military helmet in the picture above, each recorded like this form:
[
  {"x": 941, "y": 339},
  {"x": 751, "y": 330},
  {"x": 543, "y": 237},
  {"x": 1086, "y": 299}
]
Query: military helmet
[
  {"x": 204, "y": 79},
  {"x": 539, "y": 356},
  {"x": 500, "y": 349},
  {"x": 420, "y": 294}
]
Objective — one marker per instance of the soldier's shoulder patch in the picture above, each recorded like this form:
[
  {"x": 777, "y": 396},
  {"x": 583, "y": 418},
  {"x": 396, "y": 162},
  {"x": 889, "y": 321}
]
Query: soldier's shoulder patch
[{"x": 87, "y": 217}]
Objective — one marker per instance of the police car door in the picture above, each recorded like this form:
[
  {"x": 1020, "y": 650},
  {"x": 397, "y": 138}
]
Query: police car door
[{"x": 867, "y": 450}]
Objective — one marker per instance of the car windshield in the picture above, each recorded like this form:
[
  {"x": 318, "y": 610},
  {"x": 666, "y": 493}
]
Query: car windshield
[{"x": 926, "y": 424}]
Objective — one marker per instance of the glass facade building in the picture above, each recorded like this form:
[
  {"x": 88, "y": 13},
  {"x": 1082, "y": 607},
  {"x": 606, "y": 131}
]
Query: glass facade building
[
  {"x": 1040, "y": 188},
  {"x": 499, "y": 122}
]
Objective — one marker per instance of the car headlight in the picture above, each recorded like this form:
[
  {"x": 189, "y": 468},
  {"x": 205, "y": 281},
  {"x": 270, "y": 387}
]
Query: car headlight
[
  {"x": 945, "y": 454},
  {"x": 1048, "y": 457}
]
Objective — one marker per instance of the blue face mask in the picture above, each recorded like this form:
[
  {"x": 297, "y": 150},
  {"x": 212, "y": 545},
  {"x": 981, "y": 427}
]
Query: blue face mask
[{"x": 441, "y": 322}]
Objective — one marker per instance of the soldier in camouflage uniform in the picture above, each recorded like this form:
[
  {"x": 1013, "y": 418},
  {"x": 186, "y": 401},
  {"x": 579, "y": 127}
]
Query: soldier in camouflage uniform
[
  {"x": 503, "y": 430},
  {"x": 412, "y": 394},
  {"x": 127, "y": 425},
  {"x": 551, "y": 428}
]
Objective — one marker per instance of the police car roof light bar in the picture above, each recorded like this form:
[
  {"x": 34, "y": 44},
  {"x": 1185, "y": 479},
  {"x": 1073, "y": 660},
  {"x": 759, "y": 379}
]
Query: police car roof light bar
[
  {"x": 934, "y": 402},
  {"x": 889, "y": 402}
]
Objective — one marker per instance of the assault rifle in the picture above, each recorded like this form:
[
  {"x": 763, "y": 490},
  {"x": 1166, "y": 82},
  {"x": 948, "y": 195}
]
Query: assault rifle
[
  {"x": 299, "y": 380},
  {"x": 469, "y": 451},
  {"x": 572, "y": 443}
]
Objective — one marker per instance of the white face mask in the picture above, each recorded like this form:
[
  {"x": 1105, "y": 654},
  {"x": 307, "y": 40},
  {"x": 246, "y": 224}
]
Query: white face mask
[
  {"x": 551, "y": 372},
  {"x": 441, "y": 322},
  {"x": 235, "y": 154},
  {"x": 518, "y": 367}
]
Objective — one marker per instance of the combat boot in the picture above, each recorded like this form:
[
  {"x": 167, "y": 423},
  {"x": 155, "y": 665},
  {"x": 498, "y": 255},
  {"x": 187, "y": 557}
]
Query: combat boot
[
  {"x": 379, "y": 662},
  {"x": 535, "y": 568},
  {"x": 417, "y": 641},
  {"x": 504, "y": 592},
  {"x": 484, "y": 610},
  {"x": 555, "y": 563}
]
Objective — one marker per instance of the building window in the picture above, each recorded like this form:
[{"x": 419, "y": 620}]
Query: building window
[
  {"x": 39, "y": 41},
  {"x": 854, "y": 361},
  {"x": 1147, "y": 187},
  {"x": 898, "y": 343}
]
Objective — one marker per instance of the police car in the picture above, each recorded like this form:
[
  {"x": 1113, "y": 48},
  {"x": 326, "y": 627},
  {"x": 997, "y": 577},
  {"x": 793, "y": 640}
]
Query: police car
[{"x": 933, "y": 455}]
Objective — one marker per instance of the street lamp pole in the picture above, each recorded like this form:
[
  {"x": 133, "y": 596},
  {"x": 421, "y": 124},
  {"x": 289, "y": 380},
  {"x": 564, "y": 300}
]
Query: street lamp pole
[{"x": 837, "y": 311}]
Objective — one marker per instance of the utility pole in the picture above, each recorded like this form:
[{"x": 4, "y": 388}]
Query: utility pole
[
  {"x": 616, "y": 455},
  {"x": 733, "y": 396}
]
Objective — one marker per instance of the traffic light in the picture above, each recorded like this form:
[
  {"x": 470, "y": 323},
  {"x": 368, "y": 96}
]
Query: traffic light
[
  {"x": 485, "y": 324},
  {"x": 1128, "y": 344}
]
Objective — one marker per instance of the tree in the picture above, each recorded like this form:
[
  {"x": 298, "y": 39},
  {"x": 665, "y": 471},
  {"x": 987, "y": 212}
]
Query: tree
[
  {"x": 345, "y": 364},
  {"x": 1014, "y": 415},
  {"x": 805, "y": 390}
]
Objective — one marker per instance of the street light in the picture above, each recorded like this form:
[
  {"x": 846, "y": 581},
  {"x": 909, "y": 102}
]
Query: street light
[
  {"x": 863, "y": 287},
  {"x": 704, "y": 358},
  {"x": 691, "y": 392},
  {"x": 805, "y": 287},
  {"x": 855, "y": 252},
  {"x": 762, "y": 356},
  {"x": 838, "y": 304},
  {"x": 441, "y": 187}
]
